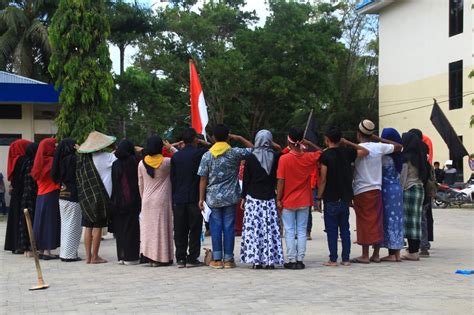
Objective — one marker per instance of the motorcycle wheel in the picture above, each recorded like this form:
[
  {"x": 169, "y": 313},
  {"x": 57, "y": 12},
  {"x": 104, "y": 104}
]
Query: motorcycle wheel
[{"x": 439, "y": 204}]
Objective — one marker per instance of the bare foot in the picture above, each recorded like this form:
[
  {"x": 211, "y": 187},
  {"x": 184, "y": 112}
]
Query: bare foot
[
  {"x": 88, "y": 260},
  {"x": 346, "y": 263},
  {"x": 330, "y": 264},
  {"x": 375, "y": 259},
  {"x": 389, "y": 258},
  {"x": 98, "y": 260}
]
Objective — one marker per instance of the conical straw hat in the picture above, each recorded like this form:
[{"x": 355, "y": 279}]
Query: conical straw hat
[{"x": 96, "y": 141}]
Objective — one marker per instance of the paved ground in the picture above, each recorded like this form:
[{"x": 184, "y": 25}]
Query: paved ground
[{"x": 428, "y": 286}]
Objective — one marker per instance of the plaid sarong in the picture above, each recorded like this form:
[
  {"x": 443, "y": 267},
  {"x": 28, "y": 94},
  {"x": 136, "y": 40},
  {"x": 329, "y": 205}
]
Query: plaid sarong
[
  {"x": 93, "y": 198},
  {"x": 413, "y": 207}
]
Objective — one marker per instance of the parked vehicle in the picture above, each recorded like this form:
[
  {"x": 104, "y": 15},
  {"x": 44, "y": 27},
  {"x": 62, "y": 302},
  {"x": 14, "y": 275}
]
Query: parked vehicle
[{"x": 456, "y": 195}]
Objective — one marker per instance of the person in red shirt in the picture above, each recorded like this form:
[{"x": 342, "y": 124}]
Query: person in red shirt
[
  {"x": 294, "y": 195},
  {"x": 47, "y": 223}
]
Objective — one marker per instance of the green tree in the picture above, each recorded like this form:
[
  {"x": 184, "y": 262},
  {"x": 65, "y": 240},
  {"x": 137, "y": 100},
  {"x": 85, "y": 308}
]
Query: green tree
[
  {"x": 81, "y": 66},
  {"x": 128, "y": 23},
  {"x": 147, "y": 103},
  {"x": 24, "y": 41}
]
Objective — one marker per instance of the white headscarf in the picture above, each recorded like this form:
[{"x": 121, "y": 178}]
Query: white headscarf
[{"x": 263, "y": 150}]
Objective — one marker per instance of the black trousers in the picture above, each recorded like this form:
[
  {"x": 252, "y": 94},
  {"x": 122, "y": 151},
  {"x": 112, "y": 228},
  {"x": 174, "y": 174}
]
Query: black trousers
[
  {"x": 413, "y": 246},
  {"x": 187, "y": 231}
]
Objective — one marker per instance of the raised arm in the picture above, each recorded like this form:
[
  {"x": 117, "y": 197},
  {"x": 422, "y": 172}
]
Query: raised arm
[
  {"x": 311, "y": 144},
  {"x": 242, "y": 140},
  {"x": 397, "y": 146},
  {"x": 361, "y": 151}
]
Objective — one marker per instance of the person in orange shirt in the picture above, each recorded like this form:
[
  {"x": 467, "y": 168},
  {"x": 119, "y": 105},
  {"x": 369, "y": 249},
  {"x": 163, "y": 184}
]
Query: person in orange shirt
[{"x": 294, "y": 195}]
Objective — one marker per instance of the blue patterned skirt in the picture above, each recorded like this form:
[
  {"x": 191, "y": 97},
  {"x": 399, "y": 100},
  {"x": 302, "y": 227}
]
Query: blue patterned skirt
[
  {"x": 261, "y": 239},
  {"x": 392, "y": 196}
]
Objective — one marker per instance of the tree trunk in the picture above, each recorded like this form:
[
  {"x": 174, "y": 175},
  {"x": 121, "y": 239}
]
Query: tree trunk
[{"x": 122, "y": 66}]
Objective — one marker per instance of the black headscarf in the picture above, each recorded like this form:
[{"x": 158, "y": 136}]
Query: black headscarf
[
  {"x": 154, "y": 146},
  {"x": 64, "y": 163},
  {"x": 31, "y": 150},
  {"x": 125, "y": 192},
  {"x": 413, "y": 152}
]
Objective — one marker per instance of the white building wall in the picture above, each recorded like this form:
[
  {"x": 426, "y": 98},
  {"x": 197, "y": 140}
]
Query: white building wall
[{"x": 415, "y": 52}]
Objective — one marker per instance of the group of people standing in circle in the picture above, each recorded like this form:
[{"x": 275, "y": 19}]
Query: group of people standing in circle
[{"x": 153, "y": 199}]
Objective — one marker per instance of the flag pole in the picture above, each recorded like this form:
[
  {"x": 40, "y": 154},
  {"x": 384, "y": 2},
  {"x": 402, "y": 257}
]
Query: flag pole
[{"x": 307, "y": 123}]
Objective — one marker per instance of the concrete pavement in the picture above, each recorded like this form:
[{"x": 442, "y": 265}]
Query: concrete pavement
[{"x": 428, "y": 286}]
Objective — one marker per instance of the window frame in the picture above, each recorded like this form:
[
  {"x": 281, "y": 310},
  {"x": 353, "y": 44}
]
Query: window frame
[
  {"x": 455, "y": 85},
  {"x": 456, "y": 17}
]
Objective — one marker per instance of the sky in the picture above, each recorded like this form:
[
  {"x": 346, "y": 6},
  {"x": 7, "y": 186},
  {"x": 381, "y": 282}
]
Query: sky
[{"x": 258, "y": 5}]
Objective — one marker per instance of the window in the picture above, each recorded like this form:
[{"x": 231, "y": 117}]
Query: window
[
  {"x": 9, "y": 111},
  {"x": 7, "y": 139},
  {"x": 456, "y": 17},
  {"x": 455, "y": 85}
]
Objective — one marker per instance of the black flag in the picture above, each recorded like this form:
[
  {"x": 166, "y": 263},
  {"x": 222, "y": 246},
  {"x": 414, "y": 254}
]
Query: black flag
[
  {"x": 310, "y": 130},
  {"x": 447, "y": 132}
]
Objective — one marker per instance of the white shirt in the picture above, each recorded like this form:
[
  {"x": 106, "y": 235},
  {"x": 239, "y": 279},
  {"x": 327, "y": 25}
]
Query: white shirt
[
  {"x": 368, "y": 169},
  {"x": 103, "y": 163}
]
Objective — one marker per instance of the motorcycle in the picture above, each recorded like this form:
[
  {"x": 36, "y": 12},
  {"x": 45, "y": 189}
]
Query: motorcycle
[{"x": 458, "y": 195}]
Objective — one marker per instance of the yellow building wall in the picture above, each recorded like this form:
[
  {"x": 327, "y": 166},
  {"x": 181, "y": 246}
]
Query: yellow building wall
[
  {"x": 27, "y": 127},
  {"x": 402, "y": 97}
]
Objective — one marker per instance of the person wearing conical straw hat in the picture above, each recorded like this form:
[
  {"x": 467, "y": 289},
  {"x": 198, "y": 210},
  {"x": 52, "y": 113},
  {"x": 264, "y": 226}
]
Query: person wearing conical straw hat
[{"x": 94, "y": 186}]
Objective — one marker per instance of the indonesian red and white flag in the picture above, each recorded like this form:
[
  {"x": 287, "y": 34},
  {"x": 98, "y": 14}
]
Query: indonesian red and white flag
[{"x": 199, "y": 117}]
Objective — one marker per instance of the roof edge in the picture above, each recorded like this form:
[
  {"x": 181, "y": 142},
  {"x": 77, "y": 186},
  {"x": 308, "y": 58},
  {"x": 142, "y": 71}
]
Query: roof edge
[
  {"x": 15, "y": 78},
  {"x": 373, "y": 6}
]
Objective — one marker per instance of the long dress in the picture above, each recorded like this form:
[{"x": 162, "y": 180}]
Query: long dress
[
  {"x": 261, "y": 239},
  {"x": 156, "y": 219},
  {"x": 392, "y": 197},
  {"x": 126, "y": 211},
  {"x": 12, "y": 236},
  {"x": 28, "y": 201}
]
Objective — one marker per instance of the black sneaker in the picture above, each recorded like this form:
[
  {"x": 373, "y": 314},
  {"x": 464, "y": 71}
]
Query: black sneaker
[
  {"x": 181, "y": 263},
  {"x": 290, "y": 265},
  {"x": 299, "y": 265},
  {"x": 194, "y": 263}
]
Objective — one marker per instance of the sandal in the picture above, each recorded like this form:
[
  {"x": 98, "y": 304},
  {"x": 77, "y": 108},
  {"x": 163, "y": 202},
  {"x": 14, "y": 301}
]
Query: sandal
[
  {"x": 330, "y": 264},
  {"x": 359, "y": 261},
  {"x": 257, "y": 266}
]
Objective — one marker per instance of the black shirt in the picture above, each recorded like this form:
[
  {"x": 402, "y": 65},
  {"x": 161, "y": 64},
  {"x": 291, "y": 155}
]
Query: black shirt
[
  {"x": 257, "y": 183},
  {"x": 439, "y": 173},
  {"x": 339, "y": 173},
  {"x": 184, "y": 177}
]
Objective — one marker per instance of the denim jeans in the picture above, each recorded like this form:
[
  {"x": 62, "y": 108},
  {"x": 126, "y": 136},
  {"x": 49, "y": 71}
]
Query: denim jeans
[
  {"x": 221, "y": 223},
  {"x": 336, "y": 217},
  {"x": 295, "y": 222}
]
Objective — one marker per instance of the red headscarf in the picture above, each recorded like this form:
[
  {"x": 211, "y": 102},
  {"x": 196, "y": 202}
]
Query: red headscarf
[
  {"x": 16, "y": 151},
  {"x": 44, "y": 159}
]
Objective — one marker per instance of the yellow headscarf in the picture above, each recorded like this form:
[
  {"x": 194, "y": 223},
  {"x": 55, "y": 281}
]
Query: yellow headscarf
[
  {"x": 219, "y": 148},
  {"x": 154, "y": 160}
]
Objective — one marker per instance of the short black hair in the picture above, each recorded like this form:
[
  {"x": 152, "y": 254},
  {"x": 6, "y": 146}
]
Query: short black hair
[
  {"x": 436, "y": 163},
  {"x": 334, "y": 134},
  {"x": 188, "y": 136},
  {"x": 221, "y": 132},
  {"x": 296, "y": 134}
]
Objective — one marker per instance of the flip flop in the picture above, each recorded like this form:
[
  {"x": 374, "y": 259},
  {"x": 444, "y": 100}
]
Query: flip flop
[
  {"x": 358, "y": 261},
  {"x": 330, "y": 264},
  {"x": 377, "y": 261}
]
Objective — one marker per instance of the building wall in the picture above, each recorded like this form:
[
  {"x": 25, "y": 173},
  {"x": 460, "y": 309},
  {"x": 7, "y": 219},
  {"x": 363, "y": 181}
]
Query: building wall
[
  {"x": 415, "y": 52},
  {"x": 27, "y": 127}
]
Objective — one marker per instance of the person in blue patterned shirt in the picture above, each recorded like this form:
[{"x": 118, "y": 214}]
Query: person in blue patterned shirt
[{"x": 219, "y": 189}]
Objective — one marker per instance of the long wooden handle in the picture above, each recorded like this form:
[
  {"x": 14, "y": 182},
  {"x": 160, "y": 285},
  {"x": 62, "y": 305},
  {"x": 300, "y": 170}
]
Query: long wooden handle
[{"x": 33, "y": 246}]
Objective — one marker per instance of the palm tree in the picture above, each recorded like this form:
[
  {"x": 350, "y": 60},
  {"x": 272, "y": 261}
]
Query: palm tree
[{"x": 24, "y": 41}]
